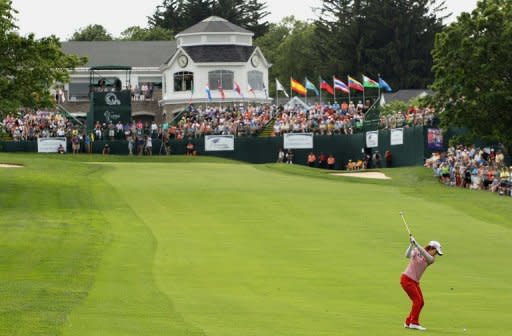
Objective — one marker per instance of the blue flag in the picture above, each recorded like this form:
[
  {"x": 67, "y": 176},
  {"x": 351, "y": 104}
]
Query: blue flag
[
  {"x": 311, "y": 86},
  {"x": 208, "y": 92},
  {"x": 384, "y": 85},
  {"x": 265, "y": 90}
]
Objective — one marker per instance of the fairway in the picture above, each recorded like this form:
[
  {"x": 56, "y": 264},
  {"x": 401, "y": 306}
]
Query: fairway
[{"x": 203, "y": 246}]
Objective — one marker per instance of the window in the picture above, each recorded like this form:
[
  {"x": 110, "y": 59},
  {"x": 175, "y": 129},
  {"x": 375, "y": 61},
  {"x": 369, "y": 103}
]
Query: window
[
  {"x": 183, "y": 81},
  {"x": 255, "y": 79},
  {"x": 78, "y": 91},
  {"x": 223, "y": 76}
]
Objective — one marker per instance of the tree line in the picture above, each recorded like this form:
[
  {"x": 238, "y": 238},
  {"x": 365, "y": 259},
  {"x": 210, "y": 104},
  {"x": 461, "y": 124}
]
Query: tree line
[
  {"x": 393, "y": 38},
  {"x": 467, "y": 63}
]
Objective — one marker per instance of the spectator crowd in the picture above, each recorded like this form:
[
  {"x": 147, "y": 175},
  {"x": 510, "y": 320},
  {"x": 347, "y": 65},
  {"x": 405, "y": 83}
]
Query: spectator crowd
[
  {"x": 29, "y": 126},
  {"x": 473, "y": 168},
  {"x": 238, "y": 120},
  {"x": 414, "y": 116}
]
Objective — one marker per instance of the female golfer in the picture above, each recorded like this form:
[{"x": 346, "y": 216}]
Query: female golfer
[{"x": 419, "y": 259}]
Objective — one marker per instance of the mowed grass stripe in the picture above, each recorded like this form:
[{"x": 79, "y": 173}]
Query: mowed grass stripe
[
  {"x": 51, "y": 241},
  {"x": 124, "y": 299},
  {"x": 206, "y": 248},
  {"x": 242, "y": 251}
]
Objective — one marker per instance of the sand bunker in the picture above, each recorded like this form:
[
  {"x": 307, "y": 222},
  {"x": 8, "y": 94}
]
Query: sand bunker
[
  {"x": 8, "y": 165},
  {"x": 367, "y": 175}
]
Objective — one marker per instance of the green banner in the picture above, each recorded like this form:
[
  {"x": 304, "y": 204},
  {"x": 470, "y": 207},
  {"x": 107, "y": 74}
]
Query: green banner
[{"x": 110, "y": 107}]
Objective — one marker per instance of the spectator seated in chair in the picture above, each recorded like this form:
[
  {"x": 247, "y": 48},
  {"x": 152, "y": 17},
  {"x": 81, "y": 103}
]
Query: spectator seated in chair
[
  {"x": 350, "y": 165},
  {"x": 61, "y": 149},
  {"x": 106, "y": 149}
]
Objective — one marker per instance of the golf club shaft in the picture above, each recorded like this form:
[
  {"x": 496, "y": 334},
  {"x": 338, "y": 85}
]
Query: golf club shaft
[{"x": 405, "y": 223}]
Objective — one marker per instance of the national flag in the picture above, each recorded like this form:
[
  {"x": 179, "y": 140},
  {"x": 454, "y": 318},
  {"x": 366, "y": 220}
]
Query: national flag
[
  {"x": 369, "y": 83},
  {"x": 354, "y": 84},
  {"x": 339, "y": 85},
  {"x": 208, "y": 93},
  {"x": 251, "y": 89},
  {"x": 384, "y": 85},
  {"x": 280, "y": 87},
  {"x": 298, "y": 87},
  {"x": 238, "y": 90},
  {"x": 326, "y": 87},
  {"x": 311, "y": 86},
  {"x": 221, "y": 90}
]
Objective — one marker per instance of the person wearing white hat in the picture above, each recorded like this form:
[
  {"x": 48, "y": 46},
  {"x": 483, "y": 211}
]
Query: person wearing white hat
[{"x": 419, "y": 259}]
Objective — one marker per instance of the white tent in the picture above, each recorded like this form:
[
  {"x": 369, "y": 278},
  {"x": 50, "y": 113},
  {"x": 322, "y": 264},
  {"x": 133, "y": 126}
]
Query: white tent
[{"x": 297, "y": 102}]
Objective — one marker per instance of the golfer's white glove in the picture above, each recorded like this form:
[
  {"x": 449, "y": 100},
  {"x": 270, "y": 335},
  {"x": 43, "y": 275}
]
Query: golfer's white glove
[{"x": 413, "y": 241}]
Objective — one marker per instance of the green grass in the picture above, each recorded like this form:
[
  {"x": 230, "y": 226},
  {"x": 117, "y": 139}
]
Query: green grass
[{"x": 205, "y": 246}]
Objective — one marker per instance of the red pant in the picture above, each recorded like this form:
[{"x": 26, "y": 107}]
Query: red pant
[{"x": 412, "y": 288}]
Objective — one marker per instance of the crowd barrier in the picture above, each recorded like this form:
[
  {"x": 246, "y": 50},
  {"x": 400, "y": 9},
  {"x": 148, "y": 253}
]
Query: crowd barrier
[{"x": 412, "y": 152}]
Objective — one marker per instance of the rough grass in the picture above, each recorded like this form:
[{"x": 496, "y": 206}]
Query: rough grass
[{"x": 202, "y": 246}]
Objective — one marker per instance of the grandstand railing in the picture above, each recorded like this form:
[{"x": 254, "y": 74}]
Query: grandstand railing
[
  {"x": 372, "y": 117},
  {"x": 68, "y": 114}
]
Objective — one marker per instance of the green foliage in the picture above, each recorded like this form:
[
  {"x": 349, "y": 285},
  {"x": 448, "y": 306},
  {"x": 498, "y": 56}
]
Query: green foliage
[
  {"x": 136, "y": 33},
  {"x": 178, "y": 15},
  {"x": 29, "y": 67},
  {"x": 93, "y": 32},
  {"x": 290, "y": 47},
  {"x": 401, "y": 106},
  {"x": 473, "y": 71},
  {"x": 394, "y": 107},
  {"x": 392, "y": 37}
]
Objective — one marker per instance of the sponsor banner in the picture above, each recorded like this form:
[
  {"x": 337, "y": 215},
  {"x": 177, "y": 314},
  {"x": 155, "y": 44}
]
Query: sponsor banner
[
  {"x": 219, "y": 143},
  {"x": 298, "y": 141},
  {"x": 112, "y": 107},
  {"x": 435, "y": 139},
  {"x": 50, "y": 145},
  {"x": 372, "y": 139},
  {"x": 397, "y": 136}
]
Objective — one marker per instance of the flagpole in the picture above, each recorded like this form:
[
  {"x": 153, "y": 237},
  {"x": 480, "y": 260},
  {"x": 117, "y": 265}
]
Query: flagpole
[
  {"x": 349, "y": 91},
  {"x": 305, "y": 83},
  {"x": 379, "y": 86},
  {"x": 277, "y": 95},
  {"x": 364, "y": 100},
  {"x": 291, "y": 94},
  {"x": 320, "y": 86},
  {"x": 334, "y": 88}
]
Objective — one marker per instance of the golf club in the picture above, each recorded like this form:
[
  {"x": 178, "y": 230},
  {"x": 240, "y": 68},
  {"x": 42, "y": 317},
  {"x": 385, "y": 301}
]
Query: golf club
[{"x": 405, "y": 223}]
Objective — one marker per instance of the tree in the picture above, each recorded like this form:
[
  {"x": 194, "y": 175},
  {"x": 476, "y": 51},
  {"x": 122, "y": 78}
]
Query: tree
[
  {"x": 289, "y": 46},
  {"x": 249, "y": 14},
  {"x": 136, "y": 33},
  {"x": 91, "y": 33},
  {"x": 29, "y": 67},
  {"x": 390, "y": 37},
  {"x": 178, "y": 15},
  {"x": 473, "y": 72}
]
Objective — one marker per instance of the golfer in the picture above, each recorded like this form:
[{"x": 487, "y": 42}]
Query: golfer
[{"x": 419, "y": 259}]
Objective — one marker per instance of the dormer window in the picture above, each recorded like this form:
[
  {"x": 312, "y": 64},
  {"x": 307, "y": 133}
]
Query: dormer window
[
  {"x": 183, "y": 81},
  {"x": 224, "y": 77}
]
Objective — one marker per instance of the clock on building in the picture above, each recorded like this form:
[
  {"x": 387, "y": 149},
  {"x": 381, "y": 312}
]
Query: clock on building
[
  {"x": 183, "y": 61},
  {"x": 255, "y": 61}
]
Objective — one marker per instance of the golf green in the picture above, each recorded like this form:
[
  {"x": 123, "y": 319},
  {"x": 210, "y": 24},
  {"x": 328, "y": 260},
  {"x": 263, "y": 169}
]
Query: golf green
[{"x": 94, "y": 245}]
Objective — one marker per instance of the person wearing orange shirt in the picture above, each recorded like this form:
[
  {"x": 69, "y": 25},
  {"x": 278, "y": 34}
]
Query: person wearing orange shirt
[
  {"x": 322, "y": 160},
  {"x": 311, "y": 159},
  {"x": 331, "y": 161},
  {"x": 190, "y": 148}
]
